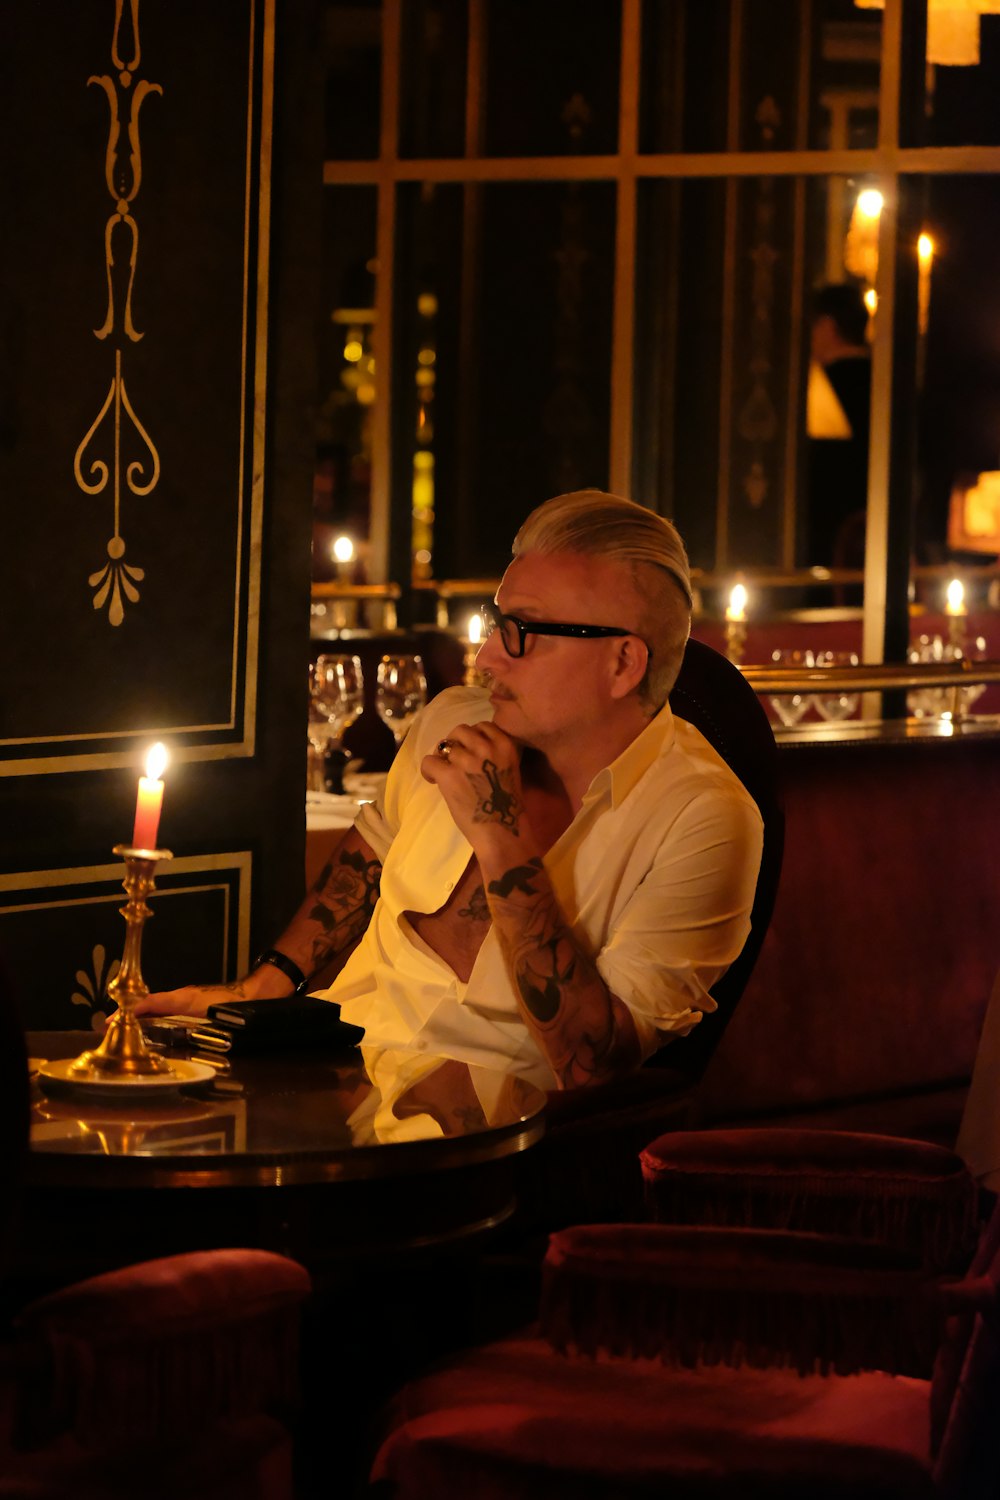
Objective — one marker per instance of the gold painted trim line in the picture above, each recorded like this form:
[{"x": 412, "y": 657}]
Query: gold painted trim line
[{"x": 239, "y": 862}]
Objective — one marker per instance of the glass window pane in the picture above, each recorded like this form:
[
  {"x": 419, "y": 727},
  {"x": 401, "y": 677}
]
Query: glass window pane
[
  {"x": 505, "y": 296},
  {"x": 347, "y": 389},
  {"x": 959, "y": 427},
  {"x": 433, "y": 63},
  {"x": 552, "y": 77},
  {"x": 700, "y": 95},
  {"x": 757, "y": 451},
  {"x": 955, "y": 83},
  {"x": 352, "y": 36}
]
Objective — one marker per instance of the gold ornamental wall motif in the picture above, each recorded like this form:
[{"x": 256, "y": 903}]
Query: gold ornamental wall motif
[{"x": 103, "y": 457}]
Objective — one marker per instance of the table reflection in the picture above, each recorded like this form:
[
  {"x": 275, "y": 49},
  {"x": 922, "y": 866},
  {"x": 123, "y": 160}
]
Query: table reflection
[{"x": 286, "y": 1118}]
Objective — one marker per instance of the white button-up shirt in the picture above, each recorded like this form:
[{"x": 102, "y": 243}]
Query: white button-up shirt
[{"x": 655, "y": 876}]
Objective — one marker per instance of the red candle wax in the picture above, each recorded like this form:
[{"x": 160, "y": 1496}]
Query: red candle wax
[
  {"x": 149, "y": 802},
  {"x": 147, "y": 813}
]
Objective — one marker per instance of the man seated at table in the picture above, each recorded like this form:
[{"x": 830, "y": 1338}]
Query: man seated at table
[{"x": 558, "y": 869}]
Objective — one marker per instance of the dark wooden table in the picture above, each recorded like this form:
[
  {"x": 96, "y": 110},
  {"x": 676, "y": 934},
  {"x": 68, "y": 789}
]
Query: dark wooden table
[{"x": 272, "y": 1151}]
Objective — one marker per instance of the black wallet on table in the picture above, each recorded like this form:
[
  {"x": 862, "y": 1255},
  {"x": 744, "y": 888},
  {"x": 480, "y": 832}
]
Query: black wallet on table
[{"x": 269, "y": 1025}]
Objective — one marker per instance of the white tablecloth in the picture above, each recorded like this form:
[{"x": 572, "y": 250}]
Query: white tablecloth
[{"x": 328, "y": 815}]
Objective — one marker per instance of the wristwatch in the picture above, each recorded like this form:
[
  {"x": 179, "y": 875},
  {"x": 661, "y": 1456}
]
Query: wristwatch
[{"x": 288, "y": 967}]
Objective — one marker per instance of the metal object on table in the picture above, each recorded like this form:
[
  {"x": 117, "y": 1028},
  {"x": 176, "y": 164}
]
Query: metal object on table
[{"x": 124, "y": 1052}]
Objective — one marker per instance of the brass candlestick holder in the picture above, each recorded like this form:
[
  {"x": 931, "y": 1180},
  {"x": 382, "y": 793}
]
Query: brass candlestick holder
[
  {"x": 736, "y": 639},
  {"x": 471, "y": 677},
  {"x": 124, "y": 1052}
]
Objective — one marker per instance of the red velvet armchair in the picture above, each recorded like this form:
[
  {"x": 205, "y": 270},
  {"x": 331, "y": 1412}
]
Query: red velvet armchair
[
  {"x": 175, "y": 1377},
  {"x": 911, "y": 1195},
  {"x": 702, "y": 1362}
]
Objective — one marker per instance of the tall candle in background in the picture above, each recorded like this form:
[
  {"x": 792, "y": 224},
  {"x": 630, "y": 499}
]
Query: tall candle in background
[
  {"x": 473, "y": 640},
  {"x": 150, "y": 800},
  {"x": 736, "y": 609},
  {"x": 955, "y": 598}
]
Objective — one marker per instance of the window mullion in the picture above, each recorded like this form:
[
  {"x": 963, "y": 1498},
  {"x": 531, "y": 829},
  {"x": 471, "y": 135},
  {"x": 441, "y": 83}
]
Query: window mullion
[
  {"x": 385, "y": 235},
  {"x": 623, "y": 318}
]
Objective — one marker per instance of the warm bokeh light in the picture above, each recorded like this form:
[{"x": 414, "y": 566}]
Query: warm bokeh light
[
  {"x": 925, "y": 249},
  {"x": 738, "y": 596},
  {"x": 956, "y": 597},
  {"x": 343, "y": 549},
  {"x": 870, "y": 203},
  {"x": 156, "y": 761},
  {"x": 871, "y": 301},
  {"x": 353, "y": 350},
  {"x": 474, "y": 629}
]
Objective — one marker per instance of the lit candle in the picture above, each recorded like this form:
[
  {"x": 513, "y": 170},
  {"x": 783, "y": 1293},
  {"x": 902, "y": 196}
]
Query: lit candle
[
  {"x": 955, "y": 604},
  {"x": 736, "y": 609},
  {"x": 150, "y": 800},
  {"x": 343, "y": 556},
  {"x": 473, "y": 640},
  {"x": 736, "y": 630}
]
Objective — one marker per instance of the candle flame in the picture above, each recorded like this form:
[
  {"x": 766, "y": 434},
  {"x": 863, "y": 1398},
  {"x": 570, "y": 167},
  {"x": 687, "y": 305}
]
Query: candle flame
[
  {"x": 474, "y": 630},
  {"x": 870, "y": 203},
  {"x": 343, "y": 549},
  {"x": 871, "y": 301},
  {"x": 956, "y": 596},
  {"x": 925, "y": 249},
  {"x": 737, "y": 602},
  {"x": 156, "y": 761}
]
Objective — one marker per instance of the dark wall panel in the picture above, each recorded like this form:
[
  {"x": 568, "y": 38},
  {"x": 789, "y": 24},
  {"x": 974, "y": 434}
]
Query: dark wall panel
[{"x": 155, "y": 486}]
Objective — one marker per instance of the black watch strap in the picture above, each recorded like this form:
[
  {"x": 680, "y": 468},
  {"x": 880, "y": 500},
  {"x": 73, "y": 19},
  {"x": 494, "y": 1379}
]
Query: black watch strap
[{"x": 288, "y": 967}]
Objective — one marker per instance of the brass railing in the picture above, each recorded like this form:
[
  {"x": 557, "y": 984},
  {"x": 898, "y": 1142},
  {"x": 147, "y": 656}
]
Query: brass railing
[
  {"x": 341, "y": 606},
  {"x": 347, "y": 599},
  {"x": 871, "y": 678}
]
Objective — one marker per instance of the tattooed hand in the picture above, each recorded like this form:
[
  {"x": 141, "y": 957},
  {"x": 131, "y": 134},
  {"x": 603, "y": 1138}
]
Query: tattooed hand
[{"x": 477, "y": 770}]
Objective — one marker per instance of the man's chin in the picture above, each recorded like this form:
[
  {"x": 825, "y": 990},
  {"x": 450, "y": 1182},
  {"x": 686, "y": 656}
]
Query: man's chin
[{"x": 505, "y": 718}]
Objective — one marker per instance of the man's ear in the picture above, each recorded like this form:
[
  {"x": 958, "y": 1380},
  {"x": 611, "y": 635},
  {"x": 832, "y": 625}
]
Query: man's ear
[{"x": 630, "y": 663}]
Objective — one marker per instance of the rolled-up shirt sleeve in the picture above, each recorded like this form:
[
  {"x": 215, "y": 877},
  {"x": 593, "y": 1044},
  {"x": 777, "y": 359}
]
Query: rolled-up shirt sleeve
[{"x": 688, "y": 919}]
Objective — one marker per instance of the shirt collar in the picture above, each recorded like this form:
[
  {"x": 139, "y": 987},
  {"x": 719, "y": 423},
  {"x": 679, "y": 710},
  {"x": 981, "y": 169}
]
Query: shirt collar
[{"x": 618, "y": 779}]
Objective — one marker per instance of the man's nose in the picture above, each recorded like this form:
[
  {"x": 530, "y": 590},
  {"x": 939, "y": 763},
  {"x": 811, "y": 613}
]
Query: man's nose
[{"x": 491, "y": 654}]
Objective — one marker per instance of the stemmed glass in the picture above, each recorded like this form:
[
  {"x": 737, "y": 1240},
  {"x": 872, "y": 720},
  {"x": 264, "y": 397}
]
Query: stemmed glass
[
  {"x": 936, "y": 703},
  {"x": 791, "y": 707},
  {"x": 836, "y": 706},
  {"x": 336, "y": 699},
  {"x": 400, "y": 693}
]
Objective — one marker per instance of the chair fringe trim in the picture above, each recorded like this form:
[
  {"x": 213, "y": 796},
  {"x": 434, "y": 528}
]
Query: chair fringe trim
[
  {"x": 881, "y": 1328},
  {"x": 140, "y": 1390},
  {"x": 934, "y": 1218}
]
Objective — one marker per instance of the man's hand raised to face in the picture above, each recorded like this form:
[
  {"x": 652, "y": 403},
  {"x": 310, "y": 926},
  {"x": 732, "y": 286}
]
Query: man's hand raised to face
[{"x": 477, "y": 770}]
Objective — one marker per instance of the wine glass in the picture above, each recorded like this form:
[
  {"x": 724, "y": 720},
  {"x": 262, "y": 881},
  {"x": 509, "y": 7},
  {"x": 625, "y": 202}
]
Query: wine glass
[
  {"x": 836, "y": 705},
  {"x": 401, "y": 692},
  {"x": 791, "y": 707},
  {"x": 938, "y": 703},
  {"x": 336, "y": 699}
]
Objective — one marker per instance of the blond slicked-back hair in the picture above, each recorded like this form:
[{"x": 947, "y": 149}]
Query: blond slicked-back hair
[{"x": 596, "y": 524}]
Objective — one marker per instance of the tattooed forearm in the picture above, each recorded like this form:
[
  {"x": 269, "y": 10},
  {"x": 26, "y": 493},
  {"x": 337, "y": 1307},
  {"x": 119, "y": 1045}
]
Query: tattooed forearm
[
  {"x": 348, "y": 890},
  {"x": 542, "y": 981},
  {"x": 584, "y": 1030},
  {"x": 520, "y": 878}
]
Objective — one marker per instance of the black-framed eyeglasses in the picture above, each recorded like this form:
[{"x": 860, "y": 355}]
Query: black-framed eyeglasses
[{"x": 513, "y": 631}]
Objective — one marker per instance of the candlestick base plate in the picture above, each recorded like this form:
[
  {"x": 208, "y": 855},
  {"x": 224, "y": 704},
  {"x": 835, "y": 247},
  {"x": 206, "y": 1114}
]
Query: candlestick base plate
[
  {"x": 124, "y": 1052},
  {"x": 65, "y": 1073}
]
